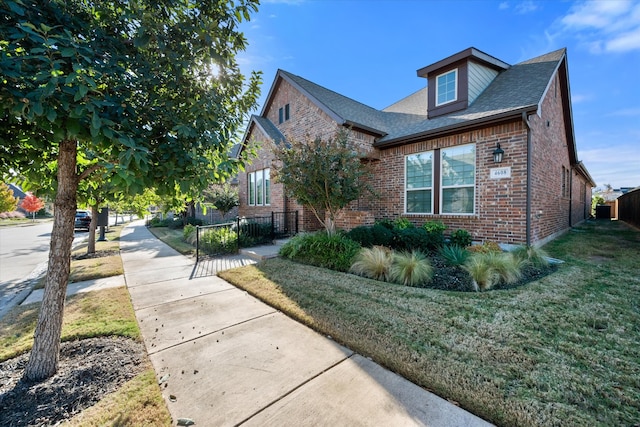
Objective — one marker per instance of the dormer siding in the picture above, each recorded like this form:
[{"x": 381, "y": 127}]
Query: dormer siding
[{"x": 480, "y": 77}]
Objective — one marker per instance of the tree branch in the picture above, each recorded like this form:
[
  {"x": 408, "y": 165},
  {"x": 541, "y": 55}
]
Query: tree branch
[{"x": 85, "y": 174}]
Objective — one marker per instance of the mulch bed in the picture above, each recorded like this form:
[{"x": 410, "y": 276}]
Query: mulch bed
[{"x": 88, "y": 370}]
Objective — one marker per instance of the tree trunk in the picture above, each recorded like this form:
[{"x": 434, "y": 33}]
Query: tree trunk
[
  {"x": 43, "y": 362},
  {"x": 91, "y": 242}
]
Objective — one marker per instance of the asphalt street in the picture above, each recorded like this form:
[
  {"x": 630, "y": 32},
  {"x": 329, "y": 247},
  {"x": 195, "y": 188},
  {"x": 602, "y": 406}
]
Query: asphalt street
[{"x": 24, "y": 251}]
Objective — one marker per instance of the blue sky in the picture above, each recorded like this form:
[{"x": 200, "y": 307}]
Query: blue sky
[{"x": 369, "y": 50}]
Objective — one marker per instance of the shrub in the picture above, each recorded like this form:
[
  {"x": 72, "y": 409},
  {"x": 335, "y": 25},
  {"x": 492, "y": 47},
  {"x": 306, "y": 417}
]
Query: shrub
[
  {"x": 411, "y": 239},
  {"x": 220, "y": 240},
  {"x": 486, "y": 247},
  {"x": 189, "y": 233},
  {"x": 386, "y": 223},
  {"x": 334, "y": 252},
  {"x": 373, "y": 263},
  {"x": 11, "y": 215},
  {"x": 252, "y": 233},
  {"x": 193, "y": 221},
  {"x": 174, "y": 223},
  {"x": 362, "y": 234},
  {"x": 461, "y": 238},
  {"x": 454, "y": 255},
  {"x": 531, "y": 255},
  {"x": 402, "y": 223},
  {"x": 435, "y": 230},
  {"x": 381, "y": 235},
  {"x": 410, "y": 269}
]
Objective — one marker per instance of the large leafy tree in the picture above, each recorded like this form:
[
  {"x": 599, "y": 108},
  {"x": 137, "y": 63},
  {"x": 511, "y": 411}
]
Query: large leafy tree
[
  {"x": 324, "y": 175},
  {"x": 146, "y": 92}
]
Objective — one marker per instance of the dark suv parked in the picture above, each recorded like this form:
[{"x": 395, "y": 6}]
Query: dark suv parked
[{"x": 83, "y": 220}]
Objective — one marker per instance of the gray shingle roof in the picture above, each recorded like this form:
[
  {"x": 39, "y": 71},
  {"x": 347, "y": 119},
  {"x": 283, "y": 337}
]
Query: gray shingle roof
[
  {"x": 269, "y": 128},
  {"x": 519, "y": 88}
]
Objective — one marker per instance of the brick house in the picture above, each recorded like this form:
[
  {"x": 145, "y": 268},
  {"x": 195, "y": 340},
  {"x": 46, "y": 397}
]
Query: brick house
[{"x": 433, "y": 153}]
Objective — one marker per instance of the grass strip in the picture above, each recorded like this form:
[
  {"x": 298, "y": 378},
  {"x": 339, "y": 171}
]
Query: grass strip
[
  {"x": 137, "y": 403},
  {"x": 563, "y": 350},
  {"x": 92, "y": 314},
  {"x": 174, "y": 239}
]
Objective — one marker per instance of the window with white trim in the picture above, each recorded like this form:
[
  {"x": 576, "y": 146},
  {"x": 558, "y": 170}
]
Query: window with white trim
[
  {"x": 447, "y": 87},
  {"x": 458, "y": 179},
  {"x": 419, "y": 183},
  {"x": 259, "y": 187}
]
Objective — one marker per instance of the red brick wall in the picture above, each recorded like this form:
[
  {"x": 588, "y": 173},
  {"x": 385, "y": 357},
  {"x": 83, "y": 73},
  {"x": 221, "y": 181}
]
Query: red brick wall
[
  {"x": 500, "y": 204},
  {"x": 549, "y": 207}
]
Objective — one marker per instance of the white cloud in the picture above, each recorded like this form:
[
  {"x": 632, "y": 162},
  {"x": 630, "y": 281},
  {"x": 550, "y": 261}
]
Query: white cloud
[
  {"x": 504, "y": 5},
  {"x": 525, "y": 7},
  {"x": 617, "y": 165},
  {"x": 626, "y": 112},
  {"x": 577, "y": 98},
  {"x": 605, "y": 26}
]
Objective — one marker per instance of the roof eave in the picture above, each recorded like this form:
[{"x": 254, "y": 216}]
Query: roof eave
[
  {"x": 366, "y": 129},
  {"x": 512, "y": 114}
]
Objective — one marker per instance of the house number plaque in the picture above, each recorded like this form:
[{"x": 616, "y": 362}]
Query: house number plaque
[{"x": 498, "y": 173}]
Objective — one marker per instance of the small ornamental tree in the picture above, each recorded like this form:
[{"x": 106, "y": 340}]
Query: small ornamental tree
[
  {"x": 8, "y": 202},
  {"x": 222, "y": 197},
  {"x": 32, "y": 204},
  {"x": 322, "y": 175}
]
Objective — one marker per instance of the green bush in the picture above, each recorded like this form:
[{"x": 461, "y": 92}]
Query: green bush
[
  {"x": 461, "y": 238},
  {"x": 410, "y": 239},
  {"x": 362, "y": 234},
  {"x": 410, "y": 269},
  {"x": 194, "y": 221},
  {"x": 253, "y": 233},
  {"x": 454, "y": 255},
  {"x": 402, "y": 223},
  {"x": 374, "y": 263},
  {"x": 381, "y": 235},
  {"x": 189, "y": 233},
  {"x": 334, "y": 252},
  {"x": 434, "y": 227},
  {"x": 435, "y": 230},
  {"x": 386, "y": 223},
  {"x": 221, "y": 240}
]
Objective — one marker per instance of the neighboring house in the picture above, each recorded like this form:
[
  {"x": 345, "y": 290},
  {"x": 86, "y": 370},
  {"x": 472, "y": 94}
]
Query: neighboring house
[
  {"x": 433, "y": 152},
  {"x": 17, "y": 192}
]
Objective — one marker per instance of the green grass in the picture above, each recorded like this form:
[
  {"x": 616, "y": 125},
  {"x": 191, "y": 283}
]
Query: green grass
[
  {"x": 173, "y": 238},
  {"x": 86, "y": 315},
  {"x": 137, "y": 403},
  {"x": 564, "y": 350}
]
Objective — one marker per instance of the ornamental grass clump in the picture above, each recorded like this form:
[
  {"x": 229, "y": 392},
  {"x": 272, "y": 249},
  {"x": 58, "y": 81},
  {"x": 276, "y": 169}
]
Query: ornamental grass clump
[
  {"x": 531, "y": 255},
  {"x": 454, "y": 255},
  {"x": 374, "y": 263},
  {"x": 491, "y": 268},
  {"x": 410, "y": 269}
]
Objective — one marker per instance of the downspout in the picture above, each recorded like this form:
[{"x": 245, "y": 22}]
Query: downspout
[
  {"x": 529, "y": 162},
  {"x": 571, "y": 197}
]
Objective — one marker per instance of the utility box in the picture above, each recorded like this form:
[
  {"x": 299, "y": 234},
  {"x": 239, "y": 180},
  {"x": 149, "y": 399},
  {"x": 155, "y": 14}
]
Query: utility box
[{"x": 103, "y": 217}]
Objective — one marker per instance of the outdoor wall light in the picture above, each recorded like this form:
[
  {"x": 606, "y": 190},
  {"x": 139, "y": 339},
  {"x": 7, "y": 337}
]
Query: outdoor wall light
[{"x": 497, "y": 154}]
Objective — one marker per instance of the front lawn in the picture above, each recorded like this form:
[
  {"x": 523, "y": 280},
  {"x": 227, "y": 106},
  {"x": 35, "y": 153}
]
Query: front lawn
[{"x": 563, "y": 350}]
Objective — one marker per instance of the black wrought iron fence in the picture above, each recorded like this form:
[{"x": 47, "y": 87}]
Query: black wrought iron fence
[{"x": 228, "y": 238}]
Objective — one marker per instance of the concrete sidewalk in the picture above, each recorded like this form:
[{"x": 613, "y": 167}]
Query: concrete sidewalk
[{"x": 224, "y": 358}]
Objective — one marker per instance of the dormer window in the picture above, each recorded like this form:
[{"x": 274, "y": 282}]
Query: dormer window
[{"x": 447, "y": 87}]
